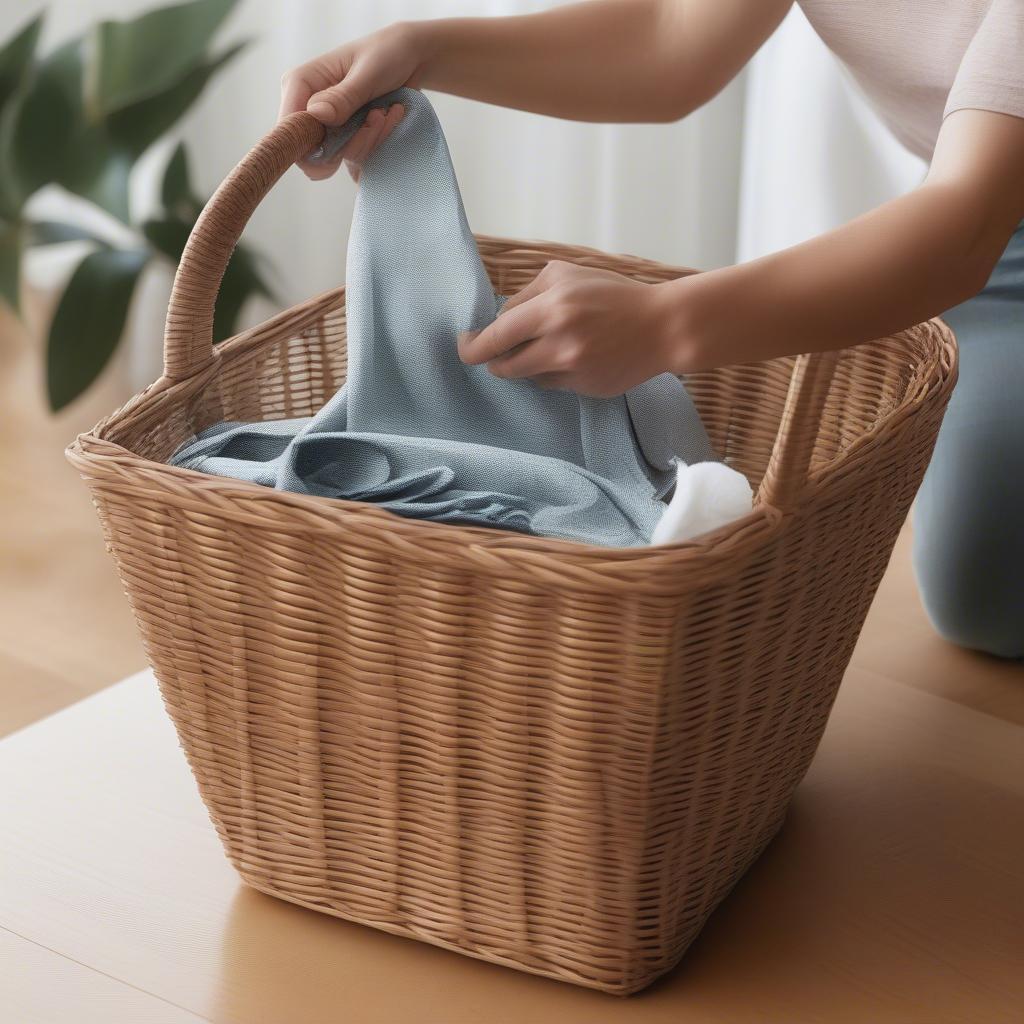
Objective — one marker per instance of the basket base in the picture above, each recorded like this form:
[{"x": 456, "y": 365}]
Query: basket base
[{"x": 501, "y": 958}]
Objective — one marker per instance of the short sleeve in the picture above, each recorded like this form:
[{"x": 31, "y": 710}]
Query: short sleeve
[{"x": 991, "y": 74}]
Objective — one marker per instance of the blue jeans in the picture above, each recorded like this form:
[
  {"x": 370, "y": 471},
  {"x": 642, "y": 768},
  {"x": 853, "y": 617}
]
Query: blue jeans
[{"x": 969, "y": 516}]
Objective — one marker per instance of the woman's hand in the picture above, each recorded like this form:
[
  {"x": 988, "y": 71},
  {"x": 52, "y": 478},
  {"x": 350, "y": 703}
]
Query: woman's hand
[
  {"x": 334, "y": 86},
  {"x": 574, "y": 328}
]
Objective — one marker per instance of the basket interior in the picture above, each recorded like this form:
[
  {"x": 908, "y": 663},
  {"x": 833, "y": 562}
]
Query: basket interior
[{"x": 291, "y": 365}]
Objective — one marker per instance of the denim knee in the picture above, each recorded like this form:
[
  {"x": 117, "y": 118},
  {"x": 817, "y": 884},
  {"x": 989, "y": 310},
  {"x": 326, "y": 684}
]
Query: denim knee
[{"x": 964, "y": 602}]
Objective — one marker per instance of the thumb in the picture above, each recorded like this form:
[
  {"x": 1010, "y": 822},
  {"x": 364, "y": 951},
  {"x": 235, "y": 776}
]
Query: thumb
[{"x": 337, "y": 104}]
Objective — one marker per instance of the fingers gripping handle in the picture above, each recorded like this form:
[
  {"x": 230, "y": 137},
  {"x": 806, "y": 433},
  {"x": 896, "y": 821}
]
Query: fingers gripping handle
[{"x": 188, "y": 336}]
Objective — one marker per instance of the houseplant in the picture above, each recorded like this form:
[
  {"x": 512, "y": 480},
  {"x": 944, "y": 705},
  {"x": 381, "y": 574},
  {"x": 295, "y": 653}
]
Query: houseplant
[{"x": 80, "y": 118}]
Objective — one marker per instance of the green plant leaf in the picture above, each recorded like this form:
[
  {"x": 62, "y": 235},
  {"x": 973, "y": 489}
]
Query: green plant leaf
[
  {"x": 16, "y": 58},
  {"x": 89, "y": 321},
  {"x": 16, "y": 66},
  {"x": 11, "y": 199},
  {"x": 139, "y": 59},
  {"x": 52, "y": 139},
  {"x": 55, "y": 232},
  {"x": 45, "y": 122},
  {"x": 100, "y": 171},
  {"x": 167, "y": 236},
  {"x": 135, "y": 128},
  {"x": 176, "y": 188},
  {"x": 10, "y": 264},
  {"x": 104, "y": 154}
]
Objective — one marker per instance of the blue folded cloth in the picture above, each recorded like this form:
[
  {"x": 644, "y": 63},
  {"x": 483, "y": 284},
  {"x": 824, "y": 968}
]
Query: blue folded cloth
[{"x": 418, "y": 432}]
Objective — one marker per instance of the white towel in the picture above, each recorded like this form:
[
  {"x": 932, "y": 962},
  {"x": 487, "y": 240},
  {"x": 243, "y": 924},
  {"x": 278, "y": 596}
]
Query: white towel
[{"x": 707, "y": 495}]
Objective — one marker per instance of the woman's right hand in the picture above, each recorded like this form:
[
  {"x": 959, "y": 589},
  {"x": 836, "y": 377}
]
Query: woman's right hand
[{"x": 334, "y": 86}]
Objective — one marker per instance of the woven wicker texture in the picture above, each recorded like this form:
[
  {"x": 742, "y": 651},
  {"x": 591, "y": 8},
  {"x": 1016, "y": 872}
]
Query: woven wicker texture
[{"x": 549, "y": 755}]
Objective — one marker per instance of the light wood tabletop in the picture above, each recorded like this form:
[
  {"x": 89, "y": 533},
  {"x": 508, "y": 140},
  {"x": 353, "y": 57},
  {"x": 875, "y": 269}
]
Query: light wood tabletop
[{"x": 893, "y": 893}]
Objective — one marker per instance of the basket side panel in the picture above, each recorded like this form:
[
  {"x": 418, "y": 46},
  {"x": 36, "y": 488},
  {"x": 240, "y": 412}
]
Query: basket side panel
[
  {"x": 757, "y": 665},
  {"x": 455, "y": 757},
  {"x": 286, "y": 368},
  {"x": 289, "y": 371}
]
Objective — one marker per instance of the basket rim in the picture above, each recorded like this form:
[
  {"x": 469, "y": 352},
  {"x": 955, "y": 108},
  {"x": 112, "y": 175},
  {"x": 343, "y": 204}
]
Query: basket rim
[
  {"x": 554, "y": 560},
  {"x": 550, "y": 559}
]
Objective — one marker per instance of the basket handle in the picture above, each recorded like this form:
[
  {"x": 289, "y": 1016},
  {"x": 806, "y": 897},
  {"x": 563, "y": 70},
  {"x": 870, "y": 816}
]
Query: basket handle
[
  {"x": 188, "y": 336},
  {"x": 786, "y": 476}
]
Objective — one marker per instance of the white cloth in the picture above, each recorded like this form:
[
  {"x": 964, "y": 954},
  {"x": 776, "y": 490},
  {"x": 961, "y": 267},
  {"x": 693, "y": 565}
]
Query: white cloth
[{"x": 707, "y": 495}]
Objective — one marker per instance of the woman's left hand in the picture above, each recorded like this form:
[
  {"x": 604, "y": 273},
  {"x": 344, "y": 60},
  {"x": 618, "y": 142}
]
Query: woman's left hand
[{"x": 578, "y": 329}]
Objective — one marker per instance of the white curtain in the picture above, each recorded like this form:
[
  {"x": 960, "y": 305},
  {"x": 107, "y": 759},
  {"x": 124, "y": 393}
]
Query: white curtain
[
  {"x": 787, "y": 150},
  {"x": 815, "y": 155}
]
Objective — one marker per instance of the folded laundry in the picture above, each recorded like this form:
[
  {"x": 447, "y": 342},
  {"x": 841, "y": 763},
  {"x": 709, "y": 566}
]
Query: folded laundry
[{"x": 418, "y": 432}]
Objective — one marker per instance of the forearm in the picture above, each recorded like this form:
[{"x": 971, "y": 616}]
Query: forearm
[
  {"x": 604, "y": 60},
  {"x": 897, "y": 266},
  {"x": 599, "y": 333},
  {"x": 906, "y": 261}
]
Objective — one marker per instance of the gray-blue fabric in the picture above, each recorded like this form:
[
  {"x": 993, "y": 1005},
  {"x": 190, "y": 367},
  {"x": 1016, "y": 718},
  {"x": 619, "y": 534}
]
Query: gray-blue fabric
[
  {"x": 969, "y": 514},
  {"x": 418, "y": 432}
]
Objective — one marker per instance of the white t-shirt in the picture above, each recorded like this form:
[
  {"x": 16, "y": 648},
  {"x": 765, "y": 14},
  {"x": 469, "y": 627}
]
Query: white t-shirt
[{"x": 919, "y": 60}]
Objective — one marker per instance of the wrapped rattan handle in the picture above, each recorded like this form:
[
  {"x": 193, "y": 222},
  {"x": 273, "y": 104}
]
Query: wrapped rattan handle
[
  {"x": 188, "y": 337},
  {"x": 786, "y": 475}
]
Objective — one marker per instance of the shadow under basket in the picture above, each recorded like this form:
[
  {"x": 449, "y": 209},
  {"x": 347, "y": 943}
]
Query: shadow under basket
[{"x": 548, "y": 755}]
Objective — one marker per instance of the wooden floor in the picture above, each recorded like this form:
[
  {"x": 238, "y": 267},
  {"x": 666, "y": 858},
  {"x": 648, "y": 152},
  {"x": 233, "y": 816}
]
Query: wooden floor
[{"x": 65, "y": 628}]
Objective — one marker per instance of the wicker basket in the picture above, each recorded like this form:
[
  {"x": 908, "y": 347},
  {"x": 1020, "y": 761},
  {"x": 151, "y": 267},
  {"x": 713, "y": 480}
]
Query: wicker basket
[{"x": 548, "y": 755}]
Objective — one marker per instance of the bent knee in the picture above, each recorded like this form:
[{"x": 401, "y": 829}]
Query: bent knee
[
  {"x": 970, "y": 607},
  {"x": 993, "y": 634}
]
